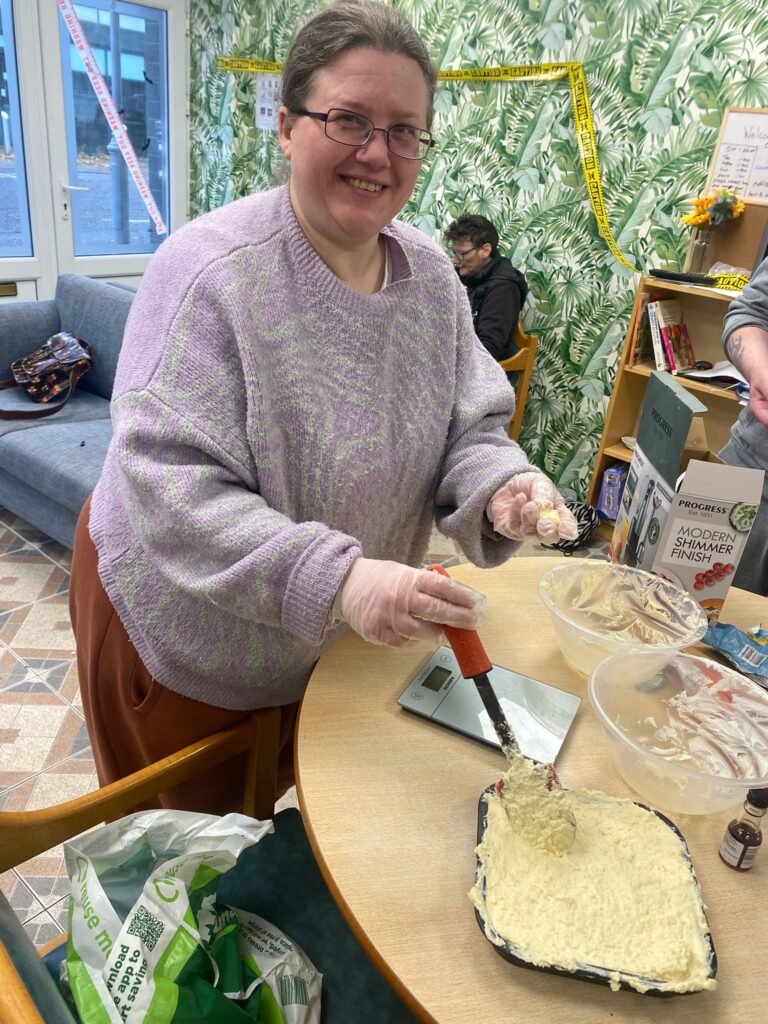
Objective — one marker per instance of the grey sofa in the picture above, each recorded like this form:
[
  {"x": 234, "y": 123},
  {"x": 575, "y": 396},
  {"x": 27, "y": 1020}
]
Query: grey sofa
[{"x": 48, "y": 467}]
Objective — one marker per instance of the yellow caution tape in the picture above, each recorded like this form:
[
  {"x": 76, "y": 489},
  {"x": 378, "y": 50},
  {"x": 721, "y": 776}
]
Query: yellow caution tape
[
  {"x": 730, "y": 282},
  {"x": 582, "y": 117},
  {"x": 247, "y": 64}
]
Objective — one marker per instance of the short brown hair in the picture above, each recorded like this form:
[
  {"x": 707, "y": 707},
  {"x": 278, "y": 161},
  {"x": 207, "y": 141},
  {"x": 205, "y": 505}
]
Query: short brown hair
[
  {"x": 349, "y": 25},
  {"x": 476, "y": 228}
]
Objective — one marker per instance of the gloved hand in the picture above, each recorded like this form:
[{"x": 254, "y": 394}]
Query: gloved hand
[
  {"x": 529, "y": 505},
  {"x": 390, "y": 603}
]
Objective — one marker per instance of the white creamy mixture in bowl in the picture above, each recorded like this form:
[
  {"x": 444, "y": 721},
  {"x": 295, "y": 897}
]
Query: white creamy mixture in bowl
[
  {"x": 689, "y": 735},
  {"x": 622, "y": 905},
  {"x": 599, "y": 609}
]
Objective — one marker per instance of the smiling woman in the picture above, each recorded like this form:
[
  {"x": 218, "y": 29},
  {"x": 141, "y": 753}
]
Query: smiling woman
[
  {"x": 300, "y": 396},
  {"x": 344, "y": 193}
]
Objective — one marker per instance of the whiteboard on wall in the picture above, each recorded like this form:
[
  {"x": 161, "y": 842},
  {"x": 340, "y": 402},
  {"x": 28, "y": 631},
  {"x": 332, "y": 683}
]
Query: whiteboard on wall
[{"x": 741, "y": 156}]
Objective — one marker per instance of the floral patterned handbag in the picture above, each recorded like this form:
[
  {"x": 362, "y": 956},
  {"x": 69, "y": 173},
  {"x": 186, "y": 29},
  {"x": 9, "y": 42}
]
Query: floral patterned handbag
[{"x": 55, "y": 367}]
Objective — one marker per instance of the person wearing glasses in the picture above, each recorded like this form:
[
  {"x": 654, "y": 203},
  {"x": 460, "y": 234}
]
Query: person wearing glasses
[
  {"x": 496, "y": 290},
  {"x": 300, "y": 395}
]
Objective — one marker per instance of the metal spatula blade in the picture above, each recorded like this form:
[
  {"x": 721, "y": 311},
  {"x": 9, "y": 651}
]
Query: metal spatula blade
[{"x": 475, "y": 664}]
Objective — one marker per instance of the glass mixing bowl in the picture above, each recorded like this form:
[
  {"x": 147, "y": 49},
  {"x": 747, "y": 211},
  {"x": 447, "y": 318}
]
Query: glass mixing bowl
[
  {"x": 599, "y": 609},
  {"x": 689, "y": 735}
]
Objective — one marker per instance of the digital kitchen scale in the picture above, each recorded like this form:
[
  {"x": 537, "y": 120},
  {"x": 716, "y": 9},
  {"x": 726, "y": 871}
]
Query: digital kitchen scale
[{"x": 540, "y": 715}]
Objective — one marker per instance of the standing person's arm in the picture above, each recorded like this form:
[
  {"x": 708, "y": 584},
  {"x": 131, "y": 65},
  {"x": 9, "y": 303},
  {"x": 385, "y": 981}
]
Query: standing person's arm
[
  {"x": 745, "y": 339},
  {"x": 498, "y": 315}
]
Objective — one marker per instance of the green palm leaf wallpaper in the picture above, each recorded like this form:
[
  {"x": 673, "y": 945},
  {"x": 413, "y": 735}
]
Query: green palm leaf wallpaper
[{"x": 660, "y": 74}]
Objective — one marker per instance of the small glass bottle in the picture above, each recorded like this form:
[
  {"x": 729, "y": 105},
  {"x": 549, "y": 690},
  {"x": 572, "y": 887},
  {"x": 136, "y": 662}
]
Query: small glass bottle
[{"x": 743, "y": 837}]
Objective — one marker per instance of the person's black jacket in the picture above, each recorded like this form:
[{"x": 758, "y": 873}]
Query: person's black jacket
[{"x": 496, "y": 296}]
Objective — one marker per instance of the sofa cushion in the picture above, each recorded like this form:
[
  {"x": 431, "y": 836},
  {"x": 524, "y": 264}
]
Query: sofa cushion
[
  {"x": 83, "y": 406},
  {"x": 37, "y": 510},
  {"x": 95, "y": 311},
  {"x": 63, "y": 459},
  {"x": 25, "y": 326}
]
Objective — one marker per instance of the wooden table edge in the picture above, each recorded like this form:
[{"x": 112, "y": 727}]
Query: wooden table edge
[{"x": 358, "y": 931}]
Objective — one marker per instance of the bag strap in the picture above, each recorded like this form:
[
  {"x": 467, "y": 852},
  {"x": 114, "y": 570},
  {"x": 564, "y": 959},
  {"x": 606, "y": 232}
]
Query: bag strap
[{"x": 36, "y": 414}]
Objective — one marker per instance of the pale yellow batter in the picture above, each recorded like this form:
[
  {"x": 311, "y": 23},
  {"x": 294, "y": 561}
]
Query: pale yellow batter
[
  {"x": 541, "y": 816},
  {"x": 622, "y": 897}
]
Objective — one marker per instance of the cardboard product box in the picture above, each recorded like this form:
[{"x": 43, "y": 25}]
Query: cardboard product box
[
  {"x": 666, "y": 426},
  {"x": 707, "y": 528}
]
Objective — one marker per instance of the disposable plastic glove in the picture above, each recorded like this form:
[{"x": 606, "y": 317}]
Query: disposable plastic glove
[
  {"x": 390, "y": 603},
  {"x": 529, "y": 505}
]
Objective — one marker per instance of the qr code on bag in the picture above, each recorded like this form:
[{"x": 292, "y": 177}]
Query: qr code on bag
[{"x": 146, "y": 927}]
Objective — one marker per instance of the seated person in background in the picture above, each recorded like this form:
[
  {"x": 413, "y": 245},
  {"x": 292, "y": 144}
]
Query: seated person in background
[
  {"x": 745, "y": 339},
  {"x": 495, "y": 288}
]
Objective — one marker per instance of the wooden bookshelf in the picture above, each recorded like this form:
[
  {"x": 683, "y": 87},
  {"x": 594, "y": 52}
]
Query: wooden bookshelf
[
  {"x": 689, "y": 383},
  {"x": 703, "y": 310}
]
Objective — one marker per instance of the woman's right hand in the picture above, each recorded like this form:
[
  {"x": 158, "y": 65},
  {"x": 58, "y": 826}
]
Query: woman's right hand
[{"x": 390, "y": 603}]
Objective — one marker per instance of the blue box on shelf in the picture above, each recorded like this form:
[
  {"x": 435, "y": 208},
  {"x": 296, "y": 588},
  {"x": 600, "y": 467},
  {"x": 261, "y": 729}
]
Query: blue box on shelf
[{"x": 611, "y": 488}]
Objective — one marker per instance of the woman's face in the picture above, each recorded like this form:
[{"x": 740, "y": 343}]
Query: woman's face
[{"x": 342, "y": 194}]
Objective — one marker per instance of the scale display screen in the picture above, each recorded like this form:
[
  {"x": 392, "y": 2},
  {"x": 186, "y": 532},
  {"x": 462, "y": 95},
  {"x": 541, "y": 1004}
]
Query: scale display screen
[{"x": 436, "y": 678}]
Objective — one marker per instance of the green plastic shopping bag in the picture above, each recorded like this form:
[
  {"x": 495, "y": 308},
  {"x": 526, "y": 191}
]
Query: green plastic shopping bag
[{"x": 149, "y": 943}]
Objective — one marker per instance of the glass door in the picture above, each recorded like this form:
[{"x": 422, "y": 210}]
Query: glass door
[
  {"x": 15, "y": 229},
  {"x": 114, "y": 133},
  {"x": 27, "y": 247},
  {"x": 113, "y": 129}
]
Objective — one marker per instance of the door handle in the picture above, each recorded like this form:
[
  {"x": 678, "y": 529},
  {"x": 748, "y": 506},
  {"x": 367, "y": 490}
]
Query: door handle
[{"x": 66, "y": 187}]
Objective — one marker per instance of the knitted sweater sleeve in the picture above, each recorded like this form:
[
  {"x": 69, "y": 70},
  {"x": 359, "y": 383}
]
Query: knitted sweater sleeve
[
  {"x": 190, "y": 488},
  {"x": 750, "y": 307},
  {"x": 479, "y": 457}
]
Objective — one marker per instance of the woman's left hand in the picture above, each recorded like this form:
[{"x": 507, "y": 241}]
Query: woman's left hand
[{"x": 529, "y": 505}]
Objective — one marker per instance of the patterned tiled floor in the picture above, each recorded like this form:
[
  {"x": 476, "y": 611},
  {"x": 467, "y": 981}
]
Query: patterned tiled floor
[{"x": 44, "y": 753}]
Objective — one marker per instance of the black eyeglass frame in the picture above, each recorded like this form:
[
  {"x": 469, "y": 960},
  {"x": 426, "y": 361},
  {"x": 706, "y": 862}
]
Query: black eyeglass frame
[
  {"x": 429, "y": 143},
  {"x": 463, "y": 255}
]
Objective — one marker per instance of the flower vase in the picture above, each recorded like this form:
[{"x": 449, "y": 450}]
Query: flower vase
[{"x": 700, "y": 257}]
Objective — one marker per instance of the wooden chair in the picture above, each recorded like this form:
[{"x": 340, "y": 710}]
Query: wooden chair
[
  {"x": 521, "y": 361},
  {"x": 25, "y": 834},
  {"x": 277, "y": 878}
]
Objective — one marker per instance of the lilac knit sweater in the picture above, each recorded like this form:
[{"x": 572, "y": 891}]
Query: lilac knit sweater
[{"x": 270, "y": 425}]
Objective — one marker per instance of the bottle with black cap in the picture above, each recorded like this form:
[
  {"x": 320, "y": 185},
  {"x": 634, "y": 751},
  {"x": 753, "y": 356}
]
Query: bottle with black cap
[{"x": 743, "y": 837}]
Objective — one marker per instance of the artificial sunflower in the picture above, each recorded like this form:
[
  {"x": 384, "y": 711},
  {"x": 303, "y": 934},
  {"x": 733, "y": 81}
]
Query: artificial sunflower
[{"x": 715, "y": 209}]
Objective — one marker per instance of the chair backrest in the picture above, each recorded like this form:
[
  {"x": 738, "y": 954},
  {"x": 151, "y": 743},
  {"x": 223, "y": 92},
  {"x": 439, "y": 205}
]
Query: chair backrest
[
  {"x": 25, "y": 834},
  {"x": 522, "y": 361}
]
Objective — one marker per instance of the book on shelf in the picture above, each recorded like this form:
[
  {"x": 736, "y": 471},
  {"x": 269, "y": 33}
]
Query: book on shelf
[
  {"x": 722, "y": 373},
  {"x": 658, "y": 349},
  {"x": 674, "y": 335},
  {"x": 666, "y": 343},
  {"x": 641, "y": 346}
]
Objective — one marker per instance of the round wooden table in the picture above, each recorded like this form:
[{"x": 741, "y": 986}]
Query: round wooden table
[{"x": 390, "y": 804}]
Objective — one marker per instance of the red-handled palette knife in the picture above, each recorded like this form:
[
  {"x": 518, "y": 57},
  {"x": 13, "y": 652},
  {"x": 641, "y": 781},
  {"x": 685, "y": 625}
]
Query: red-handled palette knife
[{"x": 475, "y": 665}]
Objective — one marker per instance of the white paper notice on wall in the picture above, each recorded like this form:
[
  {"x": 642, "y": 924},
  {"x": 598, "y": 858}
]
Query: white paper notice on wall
[
  {"x": 267, "y": 100},
  {"x": 741, "y": 158}
]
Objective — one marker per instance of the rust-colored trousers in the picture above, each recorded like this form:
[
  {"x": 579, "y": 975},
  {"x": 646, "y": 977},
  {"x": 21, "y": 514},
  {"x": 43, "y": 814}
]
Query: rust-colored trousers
[{"x": 132, "y": 720}]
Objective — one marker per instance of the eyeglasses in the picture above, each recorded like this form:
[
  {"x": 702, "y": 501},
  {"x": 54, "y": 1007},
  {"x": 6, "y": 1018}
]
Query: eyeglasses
[
  {"x": 459, "y": 254},
  {"x": 351, "y": 129}
]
